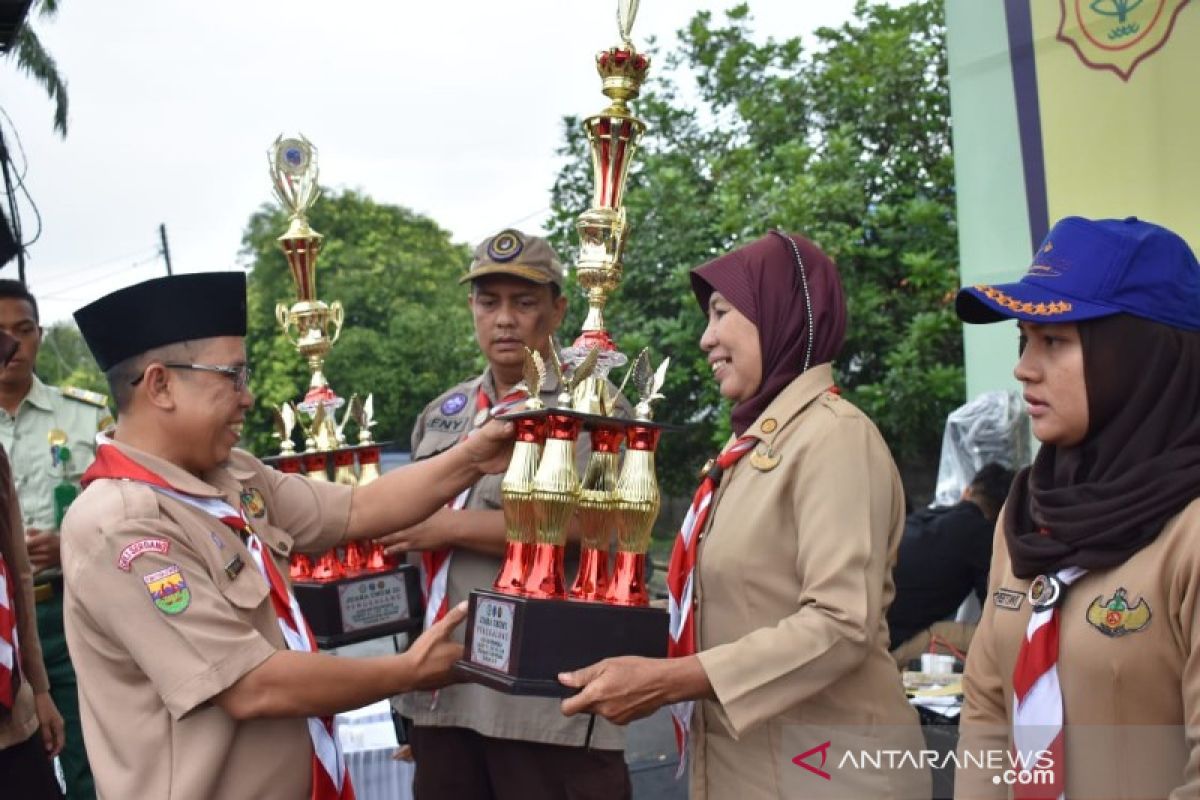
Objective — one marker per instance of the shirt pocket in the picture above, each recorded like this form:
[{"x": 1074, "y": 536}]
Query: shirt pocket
[
  {"x": 72, "y": 470},
  {"x": 247, "y": 591}
]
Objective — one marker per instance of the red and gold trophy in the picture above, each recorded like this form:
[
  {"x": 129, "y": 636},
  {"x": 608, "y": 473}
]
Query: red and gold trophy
[
  {"x": 530, "y": 626},
  {"x": 352, "y": 593}
]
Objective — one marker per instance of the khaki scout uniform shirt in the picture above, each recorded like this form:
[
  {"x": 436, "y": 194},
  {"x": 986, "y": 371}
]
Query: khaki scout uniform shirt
[
  {"x": 25, "y": 437},
  {"x": 1128, "y": 665},
  {"x": 22, "y": 722},
  {"x": 146, "y": 676},
  {"x": 794, "y": 579},
  {"x": 469, "y": 705}
]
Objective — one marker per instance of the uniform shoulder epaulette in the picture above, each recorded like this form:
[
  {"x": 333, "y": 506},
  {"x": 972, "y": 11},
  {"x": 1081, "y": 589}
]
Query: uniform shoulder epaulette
[{"x": 85, "y": 396}]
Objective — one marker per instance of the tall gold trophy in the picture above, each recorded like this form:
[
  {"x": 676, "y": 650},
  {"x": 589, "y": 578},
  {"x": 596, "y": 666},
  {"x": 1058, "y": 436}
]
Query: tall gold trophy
[
  {"x": 534, "y": 623},
  {"x": 352, "y": 593}
]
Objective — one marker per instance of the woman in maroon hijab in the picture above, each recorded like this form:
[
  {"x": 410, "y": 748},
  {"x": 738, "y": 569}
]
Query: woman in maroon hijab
[{"x": 779, "y": 677}]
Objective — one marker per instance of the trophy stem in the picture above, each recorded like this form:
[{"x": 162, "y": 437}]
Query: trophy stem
[
  {"x": 545, "y": 579},
  {"x": 378, "y": 560},
  {"x": 628, "y": 587},
  {"x": 368, "y": 465},
  {"x": 328, "y": 567},
  {"x": 343, "y": 472},
  {"x": 301, "y": 567},
  {"x": 290, "y": 465},
  {"x": 314, "y": 466},
  {"x": 356, "y": 556},
  {"x": 518, "y": 558},
  {"x": 591, "y": 582}
]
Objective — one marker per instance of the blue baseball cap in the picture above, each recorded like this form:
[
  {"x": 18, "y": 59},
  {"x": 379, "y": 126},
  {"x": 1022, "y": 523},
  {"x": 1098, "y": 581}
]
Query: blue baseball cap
[{"x": 1095, "y": 268}]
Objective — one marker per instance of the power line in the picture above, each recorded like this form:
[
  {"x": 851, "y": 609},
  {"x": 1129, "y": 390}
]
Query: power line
[
  {"x": 97, "y": 279},
  {"x": 69, "y": 276}
]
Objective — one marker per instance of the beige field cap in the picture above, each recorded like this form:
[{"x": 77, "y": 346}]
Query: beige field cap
[{"x": 511, "y": 252}]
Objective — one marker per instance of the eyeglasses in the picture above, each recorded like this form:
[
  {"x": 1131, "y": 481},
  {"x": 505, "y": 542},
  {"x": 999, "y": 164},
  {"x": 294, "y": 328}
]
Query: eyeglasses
[{"x": 240, "y": 375}]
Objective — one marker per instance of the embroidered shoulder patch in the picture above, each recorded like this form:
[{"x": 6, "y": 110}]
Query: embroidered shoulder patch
[
  {"x": 254, "y": 503},
  {"x": 132, "y": 551},
  {"x": 169, "y": 590},
  {"x": 454, "y": 404},
  {"x": 1007, "y": 598},
  {"x": 1116, "y": 617}
]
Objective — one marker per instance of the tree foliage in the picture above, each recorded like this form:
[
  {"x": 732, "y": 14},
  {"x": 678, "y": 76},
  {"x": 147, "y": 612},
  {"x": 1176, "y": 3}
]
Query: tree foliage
[
  {"x": 845, "y": 139},
  {"x": 33, "y": 59},
  {"x": 64, "y": 360},
  {"x": 407, "y": 334}
]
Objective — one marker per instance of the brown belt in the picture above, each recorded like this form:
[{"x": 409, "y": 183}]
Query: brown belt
[{"x": 45, "y": 592}]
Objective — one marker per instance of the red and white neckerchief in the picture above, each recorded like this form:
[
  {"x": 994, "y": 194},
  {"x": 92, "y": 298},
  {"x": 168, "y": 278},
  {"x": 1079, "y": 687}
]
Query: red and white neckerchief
[
  {"x": 10, "y": 669},
  {"x": 1037, "y": 694},
  {"x": 435, "y": 564},
  {"x": 330, "y": 778},
  {"x": 681, "y": 575}
]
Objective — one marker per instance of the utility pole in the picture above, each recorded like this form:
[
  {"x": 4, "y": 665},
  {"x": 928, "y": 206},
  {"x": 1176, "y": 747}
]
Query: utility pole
[{"x": 166, "y": 251}]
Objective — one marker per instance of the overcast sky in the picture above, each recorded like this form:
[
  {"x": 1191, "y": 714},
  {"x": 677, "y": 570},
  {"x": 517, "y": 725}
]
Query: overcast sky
[{"x": 452, "y": 109}]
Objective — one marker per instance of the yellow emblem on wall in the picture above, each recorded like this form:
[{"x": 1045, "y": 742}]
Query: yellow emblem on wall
[{"x": 1117, "y": 35}]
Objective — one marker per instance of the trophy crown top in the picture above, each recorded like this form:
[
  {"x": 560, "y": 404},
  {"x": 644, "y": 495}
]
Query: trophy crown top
[{"x": 622, "y": 70}]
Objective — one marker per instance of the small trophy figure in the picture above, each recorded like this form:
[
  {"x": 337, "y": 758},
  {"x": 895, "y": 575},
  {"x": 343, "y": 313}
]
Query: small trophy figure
[
  {"x": 517, "y": 487},
  {"x": 637, "y": 490}
]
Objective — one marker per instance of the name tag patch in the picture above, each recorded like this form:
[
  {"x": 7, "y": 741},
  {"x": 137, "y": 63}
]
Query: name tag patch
[
  {"x": 1007, "y": 598},
  {"x": 444, "y": 425},
  {"x": 132, "y": 551}
]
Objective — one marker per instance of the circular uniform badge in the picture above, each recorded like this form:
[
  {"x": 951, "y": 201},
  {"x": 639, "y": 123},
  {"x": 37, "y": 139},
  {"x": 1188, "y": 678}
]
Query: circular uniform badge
[
  {"x": 454, "y": 404},
  {"x": 505, "y": 246}
]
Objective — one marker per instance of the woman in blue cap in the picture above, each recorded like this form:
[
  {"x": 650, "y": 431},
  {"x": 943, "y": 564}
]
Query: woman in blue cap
[{"x": 1084, "y": 675}]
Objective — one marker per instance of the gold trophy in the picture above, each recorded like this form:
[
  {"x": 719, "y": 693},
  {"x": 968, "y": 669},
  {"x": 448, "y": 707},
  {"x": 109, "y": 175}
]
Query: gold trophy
[
  {"x": 358, "y": 593},
  {"x": 521, "y": 634},
  {"x": 309, "y": 324}
]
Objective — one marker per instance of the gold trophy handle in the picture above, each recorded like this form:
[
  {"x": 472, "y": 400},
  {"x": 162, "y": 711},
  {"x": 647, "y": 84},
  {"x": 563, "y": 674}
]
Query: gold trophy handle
[
  {"x": 284, "y": 318},
  {"x": 337, "y": 315}
]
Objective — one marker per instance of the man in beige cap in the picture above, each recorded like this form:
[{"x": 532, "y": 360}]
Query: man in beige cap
[
  {"x": 471, "y": 741},
  {"x": 198, "y": 676}
]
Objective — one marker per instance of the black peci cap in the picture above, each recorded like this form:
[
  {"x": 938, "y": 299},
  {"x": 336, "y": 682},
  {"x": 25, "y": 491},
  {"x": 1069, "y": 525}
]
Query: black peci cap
[{"x": 163, "y": 311}]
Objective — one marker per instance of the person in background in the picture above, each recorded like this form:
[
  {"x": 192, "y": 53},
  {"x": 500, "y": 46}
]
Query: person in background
[
  {"x": 1086, "y": 663},
  {"x": 31, "y": 729},
  {"x": 782, "y": 573},
  {"x": 49, "y": 434},
  {"x": 943, "y": 557},
  {"x": 474, "y": 741}
]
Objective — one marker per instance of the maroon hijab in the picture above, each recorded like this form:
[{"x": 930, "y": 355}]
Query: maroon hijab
[{"x": 763, "y": 281}]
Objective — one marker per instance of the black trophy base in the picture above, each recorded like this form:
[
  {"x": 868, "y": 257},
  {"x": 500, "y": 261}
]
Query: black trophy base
[
  {"x": 364, "y": 606},
  {"x": 518, "y": 645}
]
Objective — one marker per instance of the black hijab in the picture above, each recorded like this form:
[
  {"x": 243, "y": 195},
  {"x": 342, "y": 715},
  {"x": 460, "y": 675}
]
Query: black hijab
[{"x": 1097, "y": 503}]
